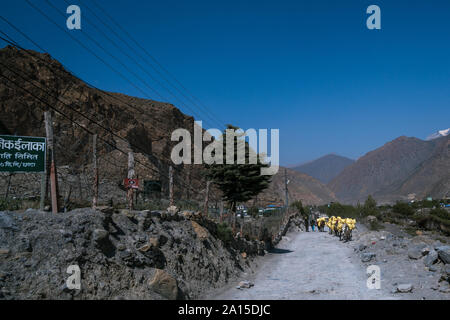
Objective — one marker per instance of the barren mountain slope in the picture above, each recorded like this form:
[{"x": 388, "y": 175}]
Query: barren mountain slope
[
  {"x": 325, "y": 168},
  {"x": 400, "y": 167}
]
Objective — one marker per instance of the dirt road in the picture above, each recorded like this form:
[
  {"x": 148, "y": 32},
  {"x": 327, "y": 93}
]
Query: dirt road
[{"x": 311, "y": 265}]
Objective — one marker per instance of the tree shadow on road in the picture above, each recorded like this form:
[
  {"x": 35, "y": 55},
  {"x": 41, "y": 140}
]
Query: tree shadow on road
[{"x": 279, "y": 251}]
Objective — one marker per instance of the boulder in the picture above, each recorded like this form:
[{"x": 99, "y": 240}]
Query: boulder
[
  {"x": 415, "y": 253},
  {"x": 367, "y": 256},
  {"x": 445, "y": 276},
  {"x": 431, "y": 258},
  {"x": 164, "y": 284},
  {"x": 127, "y": 213},
  {"x": 172, "y": 210},
  {"x": 145, "y": 247},
  {"x": 404, "y": 288},
  {"x": 155, "y": 214},
  {"x": 105, "y": 209},
  {"x": 245, "y": 284},
  {"x": 154, "y": 242},
  {"x": 444, "y": 287},
  {"x": 444, "y": 253},
  {"x": 99, "y": 234},
  {"x": 201, "y": 232},
  {"x": 433, "y": 268},
  {"x": 371, "y": 218},
  {"x": 24, "y": 245},
  {"x": 425, "y": 251},
  {"x": 6, "y": 222},
  {"x": 446, "y": 270},
  {"x": 437, "y": 243},
  {"x": 144, "y": 220}
]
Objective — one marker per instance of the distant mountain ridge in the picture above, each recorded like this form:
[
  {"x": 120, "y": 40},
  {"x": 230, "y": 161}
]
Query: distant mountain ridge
[
  {"x": 438, "y": 134},
  {"x": 403, "y": 168},
  {"x": 325, "y": 168}
]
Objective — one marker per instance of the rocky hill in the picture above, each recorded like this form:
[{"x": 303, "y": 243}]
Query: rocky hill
[
  {"x": 405, "y": 167},
  {"x": 145, "y": 125},
  {"x": 325, "y": 168}
]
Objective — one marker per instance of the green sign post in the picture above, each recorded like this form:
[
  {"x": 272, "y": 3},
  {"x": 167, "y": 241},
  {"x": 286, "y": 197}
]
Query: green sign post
[{"x": 22, "y": 154}]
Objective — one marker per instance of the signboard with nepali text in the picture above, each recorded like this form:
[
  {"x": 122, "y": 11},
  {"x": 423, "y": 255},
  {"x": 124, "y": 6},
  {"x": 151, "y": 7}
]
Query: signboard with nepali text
[{"x": 22, "y": 154}]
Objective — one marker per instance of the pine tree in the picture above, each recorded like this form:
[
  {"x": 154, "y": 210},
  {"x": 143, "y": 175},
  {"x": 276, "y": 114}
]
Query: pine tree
[{"x": 238, "y": 182}]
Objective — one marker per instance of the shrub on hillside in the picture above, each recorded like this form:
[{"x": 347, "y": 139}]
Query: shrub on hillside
[
  {"x": 441, "y": 213},
  {"x": 224, "y": 233},
  {"x": 403, "y": 209},
  {"x": 437, "y": 219},
  {"x": 370, "y": 207}
]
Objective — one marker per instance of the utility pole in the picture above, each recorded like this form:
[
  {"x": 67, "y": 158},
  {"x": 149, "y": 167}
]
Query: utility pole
[
  {"x": 94, "y": 149},
  {"x": 205, "y": 209},
  {"x": 170, "y": 186},
  {"x": 51, "y": 153},
  {"x": 286, "y": 182},
  {"x": 130, "y": 190}
]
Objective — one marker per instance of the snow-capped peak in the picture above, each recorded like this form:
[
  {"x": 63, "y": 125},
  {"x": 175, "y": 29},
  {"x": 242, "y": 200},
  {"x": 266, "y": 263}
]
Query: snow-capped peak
[{"x": 440, "y": 133}]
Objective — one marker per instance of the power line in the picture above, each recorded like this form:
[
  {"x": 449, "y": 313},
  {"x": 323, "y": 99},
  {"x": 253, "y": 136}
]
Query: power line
[
  {"x": 139, "y": 65},
  {"x": 99, "y": 58},
  {"x": 66, "y": 89},
  {"x": 90, "y": 50},
  {"x": 150, "y": 56},
  {"x": 81, "y": 126},
  {"x": 14, "y": 43}
]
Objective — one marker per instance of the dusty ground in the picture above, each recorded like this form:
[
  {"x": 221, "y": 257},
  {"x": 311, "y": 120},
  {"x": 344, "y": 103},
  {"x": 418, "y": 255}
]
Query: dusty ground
[{"x": 317, "y": 265}]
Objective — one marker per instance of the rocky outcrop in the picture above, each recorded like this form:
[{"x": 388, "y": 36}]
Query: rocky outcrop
[{"x": 121, "y": 255}]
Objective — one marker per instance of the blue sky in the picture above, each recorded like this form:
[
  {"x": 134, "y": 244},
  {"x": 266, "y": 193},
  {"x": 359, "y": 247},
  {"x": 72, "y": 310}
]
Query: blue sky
[{"x": 309, "y": 68}]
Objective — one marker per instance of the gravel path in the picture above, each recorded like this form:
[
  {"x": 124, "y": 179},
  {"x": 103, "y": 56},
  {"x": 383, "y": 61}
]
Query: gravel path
[{"x": 311, "y": 265}]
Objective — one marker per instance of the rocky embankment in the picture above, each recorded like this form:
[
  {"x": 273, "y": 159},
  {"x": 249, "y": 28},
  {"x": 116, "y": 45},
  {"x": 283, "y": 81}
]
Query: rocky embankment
[
  {"x": 412, "y": 267},
  {"x": 121, "y": 254}
]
